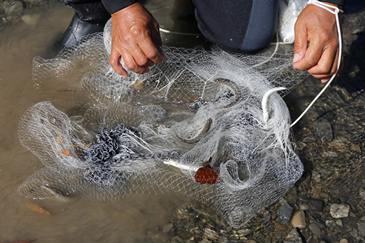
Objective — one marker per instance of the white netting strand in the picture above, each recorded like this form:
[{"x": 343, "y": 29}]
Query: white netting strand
[{"x": 148, "y": 134}]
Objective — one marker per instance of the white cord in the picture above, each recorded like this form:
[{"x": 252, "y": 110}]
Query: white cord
[{"x": 335, "y": 11}]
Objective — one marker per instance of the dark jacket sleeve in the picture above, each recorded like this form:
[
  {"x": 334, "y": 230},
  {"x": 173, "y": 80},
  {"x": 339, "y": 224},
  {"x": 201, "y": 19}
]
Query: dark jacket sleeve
[
  {"x": 113, "y": 6},
  {"x": 338, "y": 2}
]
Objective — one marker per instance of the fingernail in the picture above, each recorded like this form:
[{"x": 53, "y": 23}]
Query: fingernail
[
  {"x": 323, "y": 80},
  {"x": 296, "y": 58},
  {"x": 124, "y": 76}
]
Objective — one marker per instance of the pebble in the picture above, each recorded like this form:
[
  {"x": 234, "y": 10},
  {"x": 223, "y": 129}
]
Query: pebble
[
  {"x": 362, "y": 193},
  {"x": 316, "y": 205},
  {"x": 361, "y": 228},
  {"x": 339, "y": 210},
  {"x": 316, "y": 176},
  {"x": 177, "y": 239},
  {"x": 293, "y": 236},
  {"x": 339, "y": 222},
  {"x": 303, "y": 206},
  {"x": 324, "y": 130},
  {"x": 298, "y": 220},
  {"x": 315, "y": 229},
  {"x": 321, "y": 226},
  {"x": 330, "y": 223},
  {"x": 303, "y": 198},
  {"x": 344, "y": 241},
  {"x": 210, "y": 234},
  {"x": 354, "y": 233},
  {"x": 167, "y": 228},
  {"x": 284, "y": 213}
]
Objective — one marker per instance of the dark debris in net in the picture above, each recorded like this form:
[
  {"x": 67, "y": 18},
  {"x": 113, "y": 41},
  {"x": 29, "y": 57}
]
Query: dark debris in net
[
  {"x": 100, "y": 155},
  {"x": 113, "y": 148}
]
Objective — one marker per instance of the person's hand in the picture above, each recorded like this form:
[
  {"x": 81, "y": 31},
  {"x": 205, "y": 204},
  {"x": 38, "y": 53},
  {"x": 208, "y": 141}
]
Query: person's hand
[
  {"x": 318, "y": 26},
  {"x": 135, "y": 38}
]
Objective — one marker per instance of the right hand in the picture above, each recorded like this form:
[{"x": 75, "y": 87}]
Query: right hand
[{"x": 136, "y": 39}]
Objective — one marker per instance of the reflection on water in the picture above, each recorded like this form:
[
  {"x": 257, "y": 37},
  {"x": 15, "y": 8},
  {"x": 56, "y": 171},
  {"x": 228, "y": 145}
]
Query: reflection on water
[{"x": 75, "y": 221}]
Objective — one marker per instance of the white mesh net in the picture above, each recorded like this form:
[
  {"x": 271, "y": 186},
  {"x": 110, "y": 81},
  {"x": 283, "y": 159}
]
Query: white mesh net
[{"x": 148, "y": 134}]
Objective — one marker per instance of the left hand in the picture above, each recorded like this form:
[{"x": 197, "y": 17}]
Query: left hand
[{"x": 318, "y": 26}]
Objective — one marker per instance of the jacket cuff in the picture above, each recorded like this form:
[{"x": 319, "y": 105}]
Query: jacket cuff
[
  {"x": 338, "y": 2},
  {"x": 113, "y": 6}
]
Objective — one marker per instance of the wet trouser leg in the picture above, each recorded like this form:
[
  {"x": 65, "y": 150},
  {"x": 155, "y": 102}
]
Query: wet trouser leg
[
  {"x": 237, "y": 25},
  {"x": 90, "y": 17}
]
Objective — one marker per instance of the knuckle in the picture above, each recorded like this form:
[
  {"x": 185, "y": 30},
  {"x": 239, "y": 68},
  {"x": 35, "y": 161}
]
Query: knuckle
[
  {"x": 152, "y": 55},
  {"x": 131, "y": 66}
]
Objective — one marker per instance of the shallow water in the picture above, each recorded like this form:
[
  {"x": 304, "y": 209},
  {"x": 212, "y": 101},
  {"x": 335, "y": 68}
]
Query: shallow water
[{"x": 79, "y": 220}]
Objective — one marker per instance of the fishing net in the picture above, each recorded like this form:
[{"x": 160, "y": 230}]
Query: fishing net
[{"x": 104, "y": 137}]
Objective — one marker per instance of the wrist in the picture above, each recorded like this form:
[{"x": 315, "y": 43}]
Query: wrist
[
  {"x": 113, "y": 6},
  {"x": 336, "y": 3}
]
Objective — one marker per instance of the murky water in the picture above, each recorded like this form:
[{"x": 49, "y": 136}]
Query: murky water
[{"x": 124, "y": 220}]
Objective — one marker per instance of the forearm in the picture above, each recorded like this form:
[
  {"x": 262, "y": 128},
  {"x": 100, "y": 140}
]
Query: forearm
[{"x": 113, "y": 6}]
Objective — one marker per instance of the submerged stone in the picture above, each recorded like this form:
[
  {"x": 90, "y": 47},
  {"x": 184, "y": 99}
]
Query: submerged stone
[
  {"x": 284, "y": 213},
  {"x": 339, "y": 210}
]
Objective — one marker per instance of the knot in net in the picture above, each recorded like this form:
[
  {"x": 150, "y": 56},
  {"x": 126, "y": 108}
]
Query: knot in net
[{"x": 193, "y": 126}]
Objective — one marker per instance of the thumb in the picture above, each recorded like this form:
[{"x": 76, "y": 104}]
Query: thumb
[
  {"x": 300, "y": 47},
  {"x": 114, "y": 61}
]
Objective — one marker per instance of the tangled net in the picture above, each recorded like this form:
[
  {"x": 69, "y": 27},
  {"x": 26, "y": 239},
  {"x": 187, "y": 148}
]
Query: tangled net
[{"x": 148, "y": 134}]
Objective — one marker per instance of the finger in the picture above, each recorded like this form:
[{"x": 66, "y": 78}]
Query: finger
[
  {"x": 114, "y": 61},
  {"x": 140, "y": 57},
  {"x": 151, "y": 51},
  {"x": 327, "y": 64},
  {"x": 312, "y": 55},
  {"x": 300, "y": 45},
  {"x": 131, "y": 63}
]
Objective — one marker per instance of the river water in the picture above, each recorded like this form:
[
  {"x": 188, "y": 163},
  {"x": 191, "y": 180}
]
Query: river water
[{"x": 129, "y": 220}]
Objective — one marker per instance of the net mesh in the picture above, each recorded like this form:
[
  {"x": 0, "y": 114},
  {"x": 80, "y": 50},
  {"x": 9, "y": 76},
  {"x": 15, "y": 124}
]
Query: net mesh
[{"x": 111, "y": 137}]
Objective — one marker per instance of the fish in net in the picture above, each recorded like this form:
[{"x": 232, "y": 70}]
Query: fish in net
[{"x": 194, "y": 125}]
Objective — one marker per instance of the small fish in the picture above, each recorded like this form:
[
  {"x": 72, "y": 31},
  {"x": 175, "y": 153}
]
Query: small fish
[
  {"x": 37, "y": 208},
  {"x": 233, "y": 86},
  {"x": 265, "y": 102},
  {"x": 181, "y": 166},
  {"x": 54, "y": 193},
  {"x": 201, "y": 134}
]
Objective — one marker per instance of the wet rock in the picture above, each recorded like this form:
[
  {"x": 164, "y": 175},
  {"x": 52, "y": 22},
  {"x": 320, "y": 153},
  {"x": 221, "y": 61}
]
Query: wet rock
[
  {"x": 13, "y": 8},
  {"x": 177, "y": 239},
  {"x": 210, "y": 234},
  {"x": 324, "y": 130},
  {"x": 362, "y": 193},
  {"x": 316, "y": 205},
  {"x": 293, "y": 237},
  {"x": 315, "y": 229},
  {"x": 330, "y": 154},
  {"x": 320, "y": 225},
  {"x": 303, "y": 198},
  {"x": 303, "y": 207},
  {"x": 284, "y": 213},
  {"x": 361, "y": 228},
  {"x": 298, "y": 220},
  {"x": 205, "y": 241},
  {"x": 339, "y": 210},
  {"x": 316, "y": 176},
  {"x": 339, "y": 222},
  {"x": 354, "y": 233},
  {"x": 243, "y": 232},
  {"x": 330, "y": 223},
  {"x": 279, "y": 227},
  {"x": 167, "y": 228}
]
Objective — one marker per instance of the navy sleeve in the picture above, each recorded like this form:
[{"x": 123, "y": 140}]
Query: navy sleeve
[
  {"x": 338, "y": 2},
  {"x": 113, "y": 6}
]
